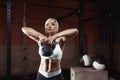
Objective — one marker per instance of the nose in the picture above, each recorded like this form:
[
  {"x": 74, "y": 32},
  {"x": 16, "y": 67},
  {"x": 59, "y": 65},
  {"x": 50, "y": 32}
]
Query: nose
[{"x": 49, "y": 26}]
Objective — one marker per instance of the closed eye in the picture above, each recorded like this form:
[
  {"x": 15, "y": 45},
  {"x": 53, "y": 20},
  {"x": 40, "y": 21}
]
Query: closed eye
[{"x": 53, "y": 24}]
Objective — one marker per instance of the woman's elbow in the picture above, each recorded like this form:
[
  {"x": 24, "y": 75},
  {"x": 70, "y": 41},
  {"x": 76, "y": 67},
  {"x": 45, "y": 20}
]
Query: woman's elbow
[
  {"x": 76, "y": 31},
  {"x": 24, "y": 30}
]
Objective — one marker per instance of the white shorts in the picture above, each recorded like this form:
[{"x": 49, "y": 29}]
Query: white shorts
[{"x": 50, "y": 74}]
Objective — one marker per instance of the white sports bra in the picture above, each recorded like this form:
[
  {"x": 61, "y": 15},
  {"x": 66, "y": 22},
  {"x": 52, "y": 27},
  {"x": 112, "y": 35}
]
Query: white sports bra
[{"x": 57, "y": 52}]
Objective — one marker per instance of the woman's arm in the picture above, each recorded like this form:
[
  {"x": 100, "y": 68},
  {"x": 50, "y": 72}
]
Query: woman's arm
[
  {"x": 65, "y": 35},
  {"x": 33, "y": 34}
]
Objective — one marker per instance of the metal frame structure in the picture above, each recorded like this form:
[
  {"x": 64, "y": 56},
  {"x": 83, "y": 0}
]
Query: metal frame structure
[
  {"x": 9, "y": 25},
  {"x": 78, "y": 11}
]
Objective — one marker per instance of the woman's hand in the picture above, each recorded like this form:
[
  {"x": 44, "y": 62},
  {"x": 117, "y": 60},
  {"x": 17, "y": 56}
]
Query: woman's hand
[
  {"x": 51, "y": 39},
  {"x": 43, "y": 39},
  {"x": 47, "y": 40},
  {"x": 56, "y": 39}
]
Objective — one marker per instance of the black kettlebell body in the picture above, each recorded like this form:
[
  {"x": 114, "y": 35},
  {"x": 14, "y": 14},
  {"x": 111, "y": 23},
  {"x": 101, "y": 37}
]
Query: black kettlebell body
[{"x": 47, "y": 49}]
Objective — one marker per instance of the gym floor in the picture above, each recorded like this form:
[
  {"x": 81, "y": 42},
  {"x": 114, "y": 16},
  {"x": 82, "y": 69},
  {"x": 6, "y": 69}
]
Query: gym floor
[{"x": 66, "y": 74}]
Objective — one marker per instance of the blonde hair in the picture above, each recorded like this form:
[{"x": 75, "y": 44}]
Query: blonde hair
[{"x": 49, "y": 19}]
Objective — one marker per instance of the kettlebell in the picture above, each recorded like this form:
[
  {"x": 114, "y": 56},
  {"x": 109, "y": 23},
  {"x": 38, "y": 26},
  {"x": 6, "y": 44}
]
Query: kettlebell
[{"x": 47, "y": 49}]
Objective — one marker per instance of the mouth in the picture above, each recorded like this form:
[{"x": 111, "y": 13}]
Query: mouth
[{"x": 49, "y": 29}]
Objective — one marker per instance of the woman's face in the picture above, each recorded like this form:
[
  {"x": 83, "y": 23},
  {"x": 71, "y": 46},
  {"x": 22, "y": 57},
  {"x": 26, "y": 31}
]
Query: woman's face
[{"x": 51, "y": 27}]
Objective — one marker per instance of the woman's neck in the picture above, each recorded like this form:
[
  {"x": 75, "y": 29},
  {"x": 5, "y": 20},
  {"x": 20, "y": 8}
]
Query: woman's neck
[{"x": 50, "y": 34}]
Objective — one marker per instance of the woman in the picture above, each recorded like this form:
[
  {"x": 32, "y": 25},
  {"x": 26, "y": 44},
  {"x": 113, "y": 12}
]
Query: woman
[{"x": 51, "y": 55}]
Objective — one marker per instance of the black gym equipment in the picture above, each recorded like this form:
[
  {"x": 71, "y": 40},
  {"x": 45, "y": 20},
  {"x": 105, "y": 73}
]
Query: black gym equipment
[
  {"x": 78, "y": 12},
  {"x": 85, "y": 61},
  {"x": 47, "y": 49},
  {"x": 9, "y": 25},
  {"x": 81, "y": 34},
  {"x": 24, "y": 60},
  {"x": 99, "y": 62}
]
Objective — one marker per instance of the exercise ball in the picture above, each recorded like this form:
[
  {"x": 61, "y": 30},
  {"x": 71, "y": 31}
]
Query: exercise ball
[
  {"x": 85, "y": 60},
  {"x": 99, "y": 62}
]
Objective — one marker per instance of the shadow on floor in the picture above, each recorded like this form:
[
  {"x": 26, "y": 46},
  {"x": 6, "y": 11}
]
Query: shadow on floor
[{"x": 66, "y": 74}]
